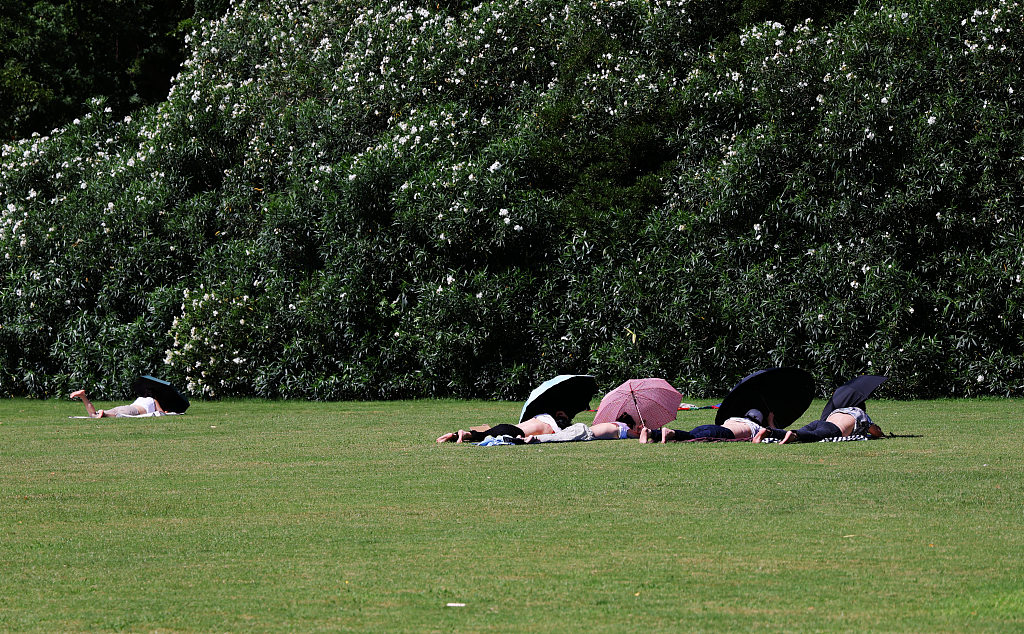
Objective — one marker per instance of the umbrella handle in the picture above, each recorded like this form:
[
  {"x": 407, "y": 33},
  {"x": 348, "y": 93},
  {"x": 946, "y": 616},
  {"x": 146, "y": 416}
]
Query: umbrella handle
[{"x": 637, "y": 405}]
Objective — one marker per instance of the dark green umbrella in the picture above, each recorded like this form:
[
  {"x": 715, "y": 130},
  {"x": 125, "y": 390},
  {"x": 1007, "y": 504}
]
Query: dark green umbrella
[
  {"x": 787, "y": 392},
  {"x": 170, "y": 399},
  {"x": 570, "y": 393},
  {"x": 853, "y": 393}
]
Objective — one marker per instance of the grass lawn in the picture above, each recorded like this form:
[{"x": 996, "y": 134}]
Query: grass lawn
[{"x": 252, "y": 515}]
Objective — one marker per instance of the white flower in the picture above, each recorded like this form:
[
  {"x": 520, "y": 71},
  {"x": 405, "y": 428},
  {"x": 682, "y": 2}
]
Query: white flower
[
  {"x": 931, "y": 120},
  {"x": 495, "y": 166},
  {"x": 981, "y": 377}
]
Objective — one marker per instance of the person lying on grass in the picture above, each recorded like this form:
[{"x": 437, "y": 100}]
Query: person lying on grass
[
  {"x": 845, "y": 421},
  {"x": 141, "y": 405},
  {"x": 539, "y": 424},
  {"x": 624, "y": 427},
  {"x": 744, "y": 427}
]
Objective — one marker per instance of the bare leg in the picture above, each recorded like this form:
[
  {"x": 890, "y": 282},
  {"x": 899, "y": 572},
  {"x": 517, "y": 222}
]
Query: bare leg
[
  {"x": 463, "y": 435},
  {"x": 668, "y": 435},
  {"x": 643, "y": 436},
  {"x": 80, "y": 394},
  {"x": 759, "y": 435},
  {"x": 790, "y": 437},
  {"x": 449, "y": 437}
]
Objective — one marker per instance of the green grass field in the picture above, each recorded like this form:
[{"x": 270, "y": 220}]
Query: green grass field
[{"x": 260, "y": 516}]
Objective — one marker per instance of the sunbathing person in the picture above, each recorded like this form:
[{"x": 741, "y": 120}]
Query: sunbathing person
[
  {"x": 845, "y": 421},
  {"x": 539, "y": 424},
  {"x": 735, "y": 428},
  {"x": 844, "y": 415},
  {"x": 624, "y": 427},
  {"x": 141, "y": 405}
]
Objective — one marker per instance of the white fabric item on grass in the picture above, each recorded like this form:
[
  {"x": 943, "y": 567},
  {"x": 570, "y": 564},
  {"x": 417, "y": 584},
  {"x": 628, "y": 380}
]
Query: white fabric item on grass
[{"x": 574, "y": 432}]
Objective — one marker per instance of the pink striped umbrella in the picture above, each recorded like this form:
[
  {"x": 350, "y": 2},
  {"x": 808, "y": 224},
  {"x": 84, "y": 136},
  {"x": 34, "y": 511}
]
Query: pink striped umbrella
[{"x": 653, "y": 402}]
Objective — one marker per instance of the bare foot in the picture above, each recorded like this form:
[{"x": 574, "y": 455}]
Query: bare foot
[
  {"x": 759, "y": 435},
  {"x": 449, "y": 437},
  {"x": 99, "y": 414},
  {"x": 643, "y": 436},
  {"x": 790, "y": 437},
  {"x": 667, "y": 435},
  {"x": 78, "y": 394},
  {"x": 464, "y": 435}
]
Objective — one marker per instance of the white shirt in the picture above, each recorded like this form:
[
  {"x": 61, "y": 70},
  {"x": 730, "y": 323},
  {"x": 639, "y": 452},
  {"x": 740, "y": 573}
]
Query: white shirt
[{"x": 146, "y": 403}]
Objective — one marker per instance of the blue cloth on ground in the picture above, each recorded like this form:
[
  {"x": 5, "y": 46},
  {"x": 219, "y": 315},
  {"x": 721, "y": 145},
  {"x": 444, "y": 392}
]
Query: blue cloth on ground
[{"x": 492, "y": 441}]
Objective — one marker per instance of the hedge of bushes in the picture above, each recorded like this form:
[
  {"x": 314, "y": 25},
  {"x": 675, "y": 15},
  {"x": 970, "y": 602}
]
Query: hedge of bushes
[
  {"x": 56, "y": 54},
  {"x": 406, "y": 199}
]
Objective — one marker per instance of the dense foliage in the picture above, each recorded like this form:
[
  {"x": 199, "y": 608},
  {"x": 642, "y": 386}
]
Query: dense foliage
[
  {"x": 57, "y": 54},
  {"x": 378, "y": 200}
]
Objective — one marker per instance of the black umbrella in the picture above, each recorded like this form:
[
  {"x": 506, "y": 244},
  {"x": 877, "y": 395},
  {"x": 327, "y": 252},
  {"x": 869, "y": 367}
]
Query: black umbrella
[
  {"x": 787, "y": 392},
  {"x": 170, "y": 399},
  {"x": 570, "y": 393},
  {"x": 853, "y": 393}
]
